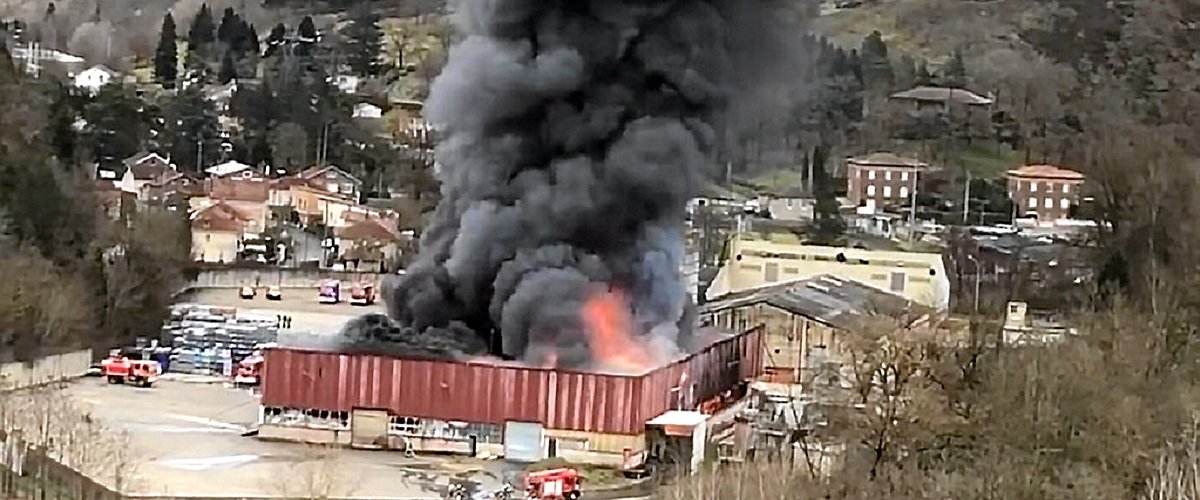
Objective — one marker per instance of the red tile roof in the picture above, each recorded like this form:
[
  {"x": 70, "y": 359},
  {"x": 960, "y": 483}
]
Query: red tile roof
[
  {"x": 219, "y": 216},
  {"x": 884, "y": 159},
  {"x": 368, "y": 230},
  {"x": 1045, "y": 172}
]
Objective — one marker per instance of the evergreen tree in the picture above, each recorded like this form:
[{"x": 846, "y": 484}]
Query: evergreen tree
[
  {"x": 876, "y": 67},
  {"x": 307, "y": 37},
  {"x": 828, "y": 228},
  {"x": 364, "y": 42},
  {"x": 192, "y": 129},
  {"x": 251, "y": 37},
  {"x": 229, "y": 28},
  {"x": 201, "y": 35},
  {"x": 116, "y": 125},
  {"x": 60, "y": 127},
  {"x": 166, "y": 61},
  {"x": 228, "y": 70},
  {"x": 922, "y": 76},
  {"x": 954, "y": 74},
  {"x": 275, "y": 40}
]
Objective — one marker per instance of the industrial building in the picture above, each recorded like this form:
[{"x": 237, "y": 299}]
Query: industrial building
[
  {"x": 803, "y": 319},
  {"x": 491, "y": 408},
  {"x": 757, "y": 260}
]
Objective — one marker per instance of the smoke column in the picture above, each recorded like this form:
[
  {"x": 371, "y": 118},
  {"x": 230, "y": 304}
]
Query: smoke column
[{"x": 573, "y": 133}]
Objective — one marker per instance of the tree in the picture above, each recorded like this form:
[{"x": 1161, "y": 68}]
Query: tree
[
  {"x": 954, "y": 73},
  {"x": 116, "y": 125},
  {"x": 166, "y": 55},
  {"x": 289, "y": 146},
  {"x": 228, "y": 70},
  {"x": 191, "y": 125},
  {"x": 364, "y": 42},
  {"x": 201, "y": 35},
  {"x": 828, "y": 227}
]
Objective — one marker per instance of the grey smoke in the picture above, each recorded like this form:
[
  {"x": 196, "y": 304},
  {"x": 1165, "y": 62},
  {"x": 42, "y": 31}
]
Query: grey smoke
[{"x": 573, "y": 134}]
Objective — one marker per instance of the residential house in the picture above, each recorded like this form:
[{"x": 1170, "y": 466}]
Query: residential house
[
  {"x": 247, "y": 191},
  {"x": 221, "y": 95},
  {"x": 369, "y": 244},
  {"x": 319, "y": 206},
  {"x": 367, "y": 111},
  {"x": 793, "y": 205},
  {"x": 91, "y": 79},
  {"x": 806, "y": 319},
  {"x": 143, "y": 168},
  {"x": 348, "y": 84},
  {"x": 114, "y": 202},
  {"x": 1045, "y": 271},
  {"x": 333, "y": 180},
  {"x": 882, "y": 179},
  {"x": 172, "y": 191},
  {"x": 228, "y": 168},
  {"x": 940, "y": 98},
  {"x": 756, "y": 260},
  {"x": 407, "y": 125},
  {"x": 1045, "y": 192},
  {"x": 217, "y": 229}
]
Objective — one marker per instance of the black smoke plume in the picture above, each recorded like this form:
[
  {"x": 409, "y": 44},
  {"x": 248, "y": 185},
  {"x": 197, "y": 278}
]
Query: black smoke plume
[{"x": 573, "y": 132}]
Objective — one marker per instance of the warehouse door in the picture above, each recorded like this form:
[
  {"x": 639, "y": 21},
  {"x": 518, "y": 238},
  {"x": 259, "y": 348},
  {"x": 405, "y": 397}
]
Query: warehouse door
[
  {"x": 368, "y": 428},
  {"x": 523, "y": 441}
]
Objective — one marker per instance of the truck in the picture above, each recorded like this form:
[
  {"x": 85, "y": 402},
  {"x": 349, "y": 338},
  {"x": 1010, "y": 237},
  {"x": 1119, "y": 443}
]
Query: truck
[
  {"x": 249, "y": 371},
  {"x": 362, "y": 294},
  {"x": 330, "y": 292},
  {"x": 553, "y": 484},
  {"x": 119, "y": 368}
]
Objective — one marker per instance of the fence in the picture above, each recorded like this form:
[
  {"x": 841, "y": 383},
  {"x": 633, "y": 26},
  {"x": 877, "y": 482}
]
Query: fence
[
  {"x": 28, "y": 473},
  {"x": 21, "y": 375}
]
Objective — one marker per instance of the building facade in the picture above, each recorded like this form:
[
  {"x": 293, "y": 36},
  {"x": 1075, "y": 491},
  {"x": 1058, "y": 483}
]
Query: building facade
[
  {"x": 756, "y": 260},
  {"x": 882, "y": 179},
  {"x": 1045, "y": 192},
  {"x": 524, "y": 413}
]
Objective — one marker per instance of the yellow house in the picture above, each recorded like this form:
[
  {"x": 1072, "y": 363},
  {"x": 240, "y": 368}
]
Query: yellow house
[
  {"x": 754, "y": 261},
  {"x": 805, "y": 320}
]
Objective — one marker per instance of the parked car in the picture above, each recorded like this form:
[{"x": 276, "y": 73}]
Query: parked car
[
  {"x": 247, "y": 292},
  {"x": 274, "y": 293}
]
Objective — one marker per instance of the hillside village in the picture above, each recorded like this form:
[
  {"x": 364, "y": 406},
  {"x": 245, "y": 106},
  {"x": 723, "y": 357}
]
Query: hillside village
[{"x": 965, "y": 248}]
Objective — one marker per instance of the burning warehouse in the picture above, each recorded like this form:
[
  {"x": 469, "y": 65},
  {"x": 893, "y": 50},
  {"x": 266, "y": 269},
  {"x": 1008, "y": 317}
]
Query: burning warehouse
[
  {"x": 487, "y": 407},
  {"x": 571, "y": 136}
]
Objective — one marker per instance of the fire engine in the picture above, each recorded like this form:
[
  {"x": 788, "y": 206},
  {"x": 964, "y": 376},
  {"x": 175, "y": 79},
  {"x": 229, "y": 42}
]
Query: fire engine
[
  {"x": 119, "y": 369},
  {"x": 249, "y": 371},
  {"x": 553, "y": 484}
]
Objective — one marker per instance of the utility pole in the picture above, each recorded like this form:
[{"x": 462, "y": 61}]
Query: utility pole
[
  {"x": 967, "y": 198},
  {"x": 912, "y": 207},
  {"x": 199, "y": 153}
]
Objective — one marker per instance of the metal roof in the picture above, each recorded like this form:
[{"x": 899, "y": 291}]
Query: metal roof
[{"x": 834, "y": 301}]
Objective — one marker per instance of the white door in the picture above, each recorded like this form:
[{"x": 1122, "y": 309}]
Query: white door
[{"x": 523, "y": 441}]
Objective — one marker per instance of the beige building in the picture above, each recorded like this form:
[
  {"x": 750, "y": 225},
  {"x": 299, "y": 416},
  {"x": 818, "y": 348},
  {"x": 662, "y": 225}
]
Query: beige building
[
  {"x": 806, "y": 319},
  {"x": 754, "y": 261},
  {"x": 216, "y": 230}
]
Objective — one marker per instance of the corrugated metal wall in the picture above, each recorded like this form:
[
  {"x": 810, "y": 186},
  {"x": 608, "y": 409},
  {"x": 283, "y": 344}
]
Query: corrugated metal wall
[{"x": 484, "y": 393}]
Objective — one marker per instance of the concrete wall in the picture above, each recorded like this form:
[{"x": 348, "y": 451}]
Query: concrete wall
[
  {"x": 286, "y": 278},
  {"x": 49, "y": 369}
]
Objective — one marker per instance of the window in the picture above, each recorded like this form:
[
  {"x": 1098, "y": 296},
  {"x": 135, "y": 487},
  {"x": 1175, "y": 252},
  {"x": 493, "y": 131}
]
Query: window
[
  {"x": 1033, "y": 203},
  {"x": 1064, "y": 204},
  {"x": 904, "y": 176},
  {"x": 871, "y": 190},
  {"x": 1048, "y": 203},
  {"x": 789, "y": 203},
  {"x": 887, "y": 191},
  {"x": 903, "y": 191},
  {"x": 1066, "y": 188},
  {"x": 1032, "y": 187},
  {"x": 871, "y": 174},
  {"x": 897, "y": 282},
  {"x": 887, "y": 175}
]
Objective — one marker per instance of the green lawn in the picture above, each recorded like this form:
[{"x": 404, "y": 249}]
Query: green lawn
[{"x": 984, "y": 160}]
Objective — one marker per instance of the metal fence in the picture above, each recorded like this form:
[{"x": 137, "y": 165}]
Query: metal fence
[
  {"x": 55, "y": 368},
  {"x": 28, "y": 473}
]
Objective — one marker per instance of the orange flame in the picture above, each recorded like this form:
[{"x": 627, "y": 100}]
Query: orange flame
[{"x": 607, "y": 323}]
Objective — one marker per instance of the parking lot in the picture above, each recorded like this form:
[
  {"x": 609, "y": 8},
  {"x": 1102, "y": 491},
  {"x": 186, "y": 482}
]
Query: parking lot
[
  {"x": 187, "y": 438},
  {"x": 301, "y": 304}
]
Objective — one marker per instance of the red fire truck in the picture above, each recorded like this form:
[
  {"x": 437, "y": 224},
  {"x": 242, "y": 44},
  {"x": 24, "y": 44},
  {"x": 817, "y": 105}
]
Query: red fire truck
[
  {"x": 553, "y": 484},
  {"x": 248, "y": 371},
  {"x": 120, "y": 369},
  {"x": 362, "y": 294}
]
